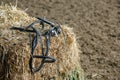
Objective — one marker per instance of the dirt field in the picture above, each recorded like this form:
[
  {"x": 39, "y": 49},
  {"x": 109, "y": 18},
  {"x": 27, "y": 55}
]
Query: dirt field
[{"x": 97, "y": 26}]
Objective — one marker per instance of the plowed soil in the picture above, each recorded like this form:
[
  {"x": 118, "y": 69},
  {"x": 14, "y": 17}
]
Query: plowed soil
[{"x": 97, "y": 26}]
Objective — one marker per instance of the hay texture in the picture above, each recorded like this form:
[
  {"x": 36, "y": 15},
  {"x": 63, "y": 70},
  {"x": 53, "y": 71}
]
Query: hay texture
[{"x": 15, "y": 51}]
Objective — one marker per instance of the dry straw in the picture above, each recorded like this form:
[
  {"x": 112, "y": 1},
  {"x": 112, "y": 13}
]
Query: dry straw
[{"x": 15, "y": 51}]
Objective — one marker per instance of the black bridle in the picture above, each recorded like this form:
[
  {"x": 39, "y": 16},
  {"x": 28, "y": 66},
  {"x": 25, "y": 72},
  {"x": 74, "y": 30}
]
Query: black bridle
[{"x": 52, "y": 31}]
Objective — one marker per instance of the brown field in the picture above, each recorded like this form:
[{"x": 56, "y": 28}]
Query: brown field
[{"x": 96, "y": 24}]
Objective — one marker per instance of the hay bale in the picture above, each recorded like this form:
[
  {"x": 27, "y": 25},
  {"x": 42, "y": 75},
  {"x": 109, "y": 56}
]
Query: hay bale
[{"x": 15, "y": 51}]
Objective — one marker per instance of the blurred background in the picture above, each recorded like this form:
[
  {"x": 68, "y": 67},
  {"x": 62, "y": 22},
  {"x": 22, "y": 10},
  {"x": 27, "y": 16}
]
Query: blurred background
[{"x": 97, "y": 27}]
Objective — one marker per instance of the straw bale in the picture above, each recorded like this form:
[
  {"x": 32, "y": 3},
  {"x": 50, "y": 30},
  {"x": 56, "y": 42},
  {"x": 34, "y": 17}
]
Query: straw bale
[{"x": 15, "y": 50}]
